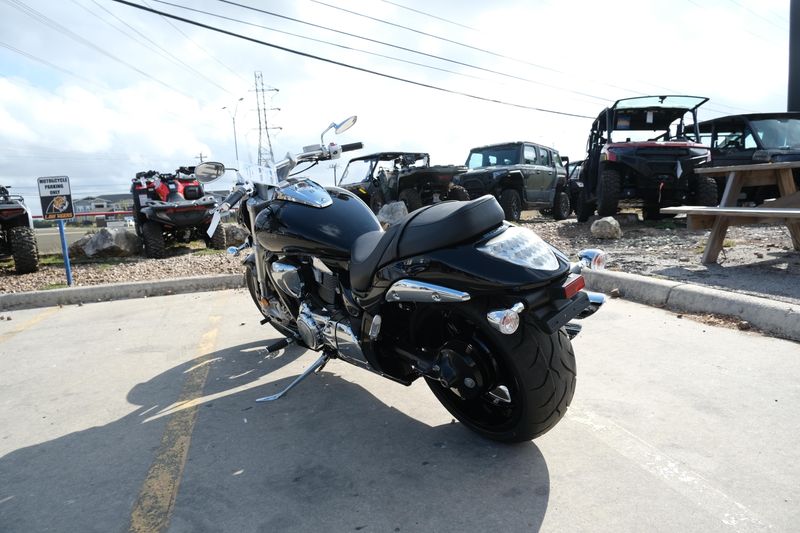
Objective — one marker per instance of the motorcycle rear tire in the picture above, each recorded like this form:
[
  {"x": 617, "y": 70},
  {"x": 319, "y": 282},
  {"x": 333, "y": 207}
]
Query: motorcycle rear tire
[{"x": 537, "y": 368}]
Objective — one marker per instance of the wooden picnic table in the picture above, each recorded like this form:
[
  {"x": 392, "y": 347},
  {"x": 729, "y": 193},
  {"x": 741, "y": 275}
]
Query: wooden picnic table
[{"x": 785, "y": 208}]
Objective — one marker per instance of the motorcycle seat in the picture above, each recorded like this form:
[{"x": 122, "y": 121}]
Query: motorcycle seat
[{"x": 430, "y": 228}]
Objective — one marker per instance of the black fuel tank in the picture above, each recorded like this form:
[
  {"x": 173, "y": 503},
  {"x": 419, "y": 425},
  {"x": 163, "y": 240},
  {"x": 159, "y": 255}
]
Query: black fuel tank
[{"x": 294, "y": 228}]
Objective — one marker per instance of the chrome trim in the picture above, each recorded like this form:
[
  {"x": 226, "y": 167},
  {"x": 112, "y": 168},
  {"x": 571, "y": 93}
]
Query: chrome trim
[
  {"x": 340, "y": 336},
  {"x": 375, "y": 327},
  {"x": 287, "y": 278},
  {"x": 304, "y": 191},
  {"x": 495, "y": 317},
  {"x": 409, "y": 290}
]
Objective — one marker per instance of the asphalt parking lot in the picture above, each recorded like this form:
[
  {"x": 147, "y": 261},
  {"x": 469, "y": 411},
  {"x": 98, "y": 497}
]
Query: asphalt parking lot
[{"x": 139, "y": 415}]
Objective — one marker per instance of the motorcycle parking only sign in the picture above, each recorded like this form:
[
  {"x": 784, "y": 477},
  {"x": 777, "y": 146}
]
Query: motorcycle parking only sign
[{"x": 56, "y": 197}]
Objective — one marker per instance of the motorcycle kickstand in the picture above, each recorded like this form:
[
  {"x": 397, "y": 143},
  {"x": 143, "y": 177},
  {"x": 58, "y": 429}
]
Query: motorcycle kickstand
[{"x": 315, "y": 367}]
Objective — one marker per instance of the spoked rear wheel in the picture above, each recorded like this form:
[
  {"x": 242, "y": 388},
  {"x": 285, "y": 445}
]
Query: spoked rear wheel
[{"x": 511, "y": 388}]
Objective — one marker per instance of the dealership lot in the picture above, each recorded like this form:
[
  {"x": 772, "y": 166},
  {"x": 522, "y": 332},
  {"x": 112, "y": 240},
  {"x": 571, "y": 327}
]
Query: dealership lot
[{"x": 137, "y": 414}]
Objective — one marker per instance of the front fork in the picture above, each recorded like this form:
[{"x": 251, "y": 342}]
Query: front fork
[{"x": 261, "y": 267}]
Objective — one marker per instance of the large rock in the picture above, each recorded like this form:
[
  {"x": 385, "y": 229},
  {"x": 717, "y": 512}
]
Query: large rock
[
  {"x": 235, "y": 234},
  {"x": 606, "y": 228},
  {"x": 392, "y": 213},
  {"x": 115, "y": 242}
]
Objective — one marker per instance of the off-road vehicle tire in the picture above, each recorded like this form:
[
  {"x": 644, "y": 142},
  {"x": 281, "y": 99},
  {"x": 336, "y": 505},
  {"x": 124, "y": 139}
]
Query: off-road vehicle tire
[
  {"x": 511, "y": 204},
  {"x": 585, "y": 209},
  {"x": 561, "y": 205},
  {"x": 411, "y": 198},
  {"x": 218, "y": 240},
  {"x": 608, "y": 193},
  {"x": 457, "y": 192},
  {"x": 376, "y": 201},
  {"x": 24, "y": 249},
  {"x": 153, "y": 240},
  {"x": 705, "y": 191}
]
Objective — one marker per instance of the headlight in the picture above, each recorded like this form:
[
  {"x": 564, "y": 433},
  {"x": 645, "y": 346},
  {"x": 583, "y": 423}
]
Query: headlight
[{"x": 521, "y": 247}]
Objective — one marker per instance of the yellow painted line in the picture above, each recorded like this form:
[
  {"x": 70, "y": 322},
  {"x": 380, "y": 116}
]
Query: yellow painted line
[
  {"x": 153, "y": 507},
  {"x": 31, "y": 322}
]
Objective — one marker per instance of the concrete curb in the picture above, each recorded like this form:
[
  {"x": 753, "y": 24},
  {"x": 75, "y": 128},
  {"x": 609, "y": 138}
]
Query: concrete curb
[
  {"x": 777, "y": 318},
  {"x": 120, "y": 291}
]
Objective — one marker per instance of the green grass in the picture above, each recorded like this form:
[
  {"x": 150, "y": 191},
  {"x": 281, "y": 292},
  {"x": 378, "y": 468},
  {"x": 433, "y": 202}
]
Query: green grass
[
  {"x": 207, "y": 251},
  {"x": 54, "y": 286}
]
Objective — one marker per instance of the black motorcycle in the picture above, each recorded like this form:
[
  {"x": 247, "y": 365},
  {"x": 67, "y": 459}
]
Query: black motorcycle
[{"x": 477, "y": 306}]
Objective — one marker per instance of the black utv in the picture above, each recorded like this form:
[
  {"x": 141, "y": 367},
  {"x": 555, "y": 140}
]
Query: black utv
[
  {"x": 521, "y": 175},
  {"x": 406, "y": 177},
  {"x": 640, "y": 152},
  {"x": 17, "y": 237},
  {"x": 750, "y": 139}
]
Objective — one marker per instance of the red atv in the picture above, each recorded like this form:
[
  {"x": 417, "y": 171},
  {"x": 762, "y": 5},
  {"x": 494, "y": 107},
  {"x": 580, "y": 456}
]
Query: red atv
[{"x": 172, "y": 208}]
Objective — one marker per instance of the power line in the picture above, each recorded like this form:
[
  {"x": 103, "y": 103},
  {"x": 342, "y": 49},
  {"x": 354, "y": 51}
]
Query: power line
[
  {"x": 345, "y": 65},
  {"x": 51, "y": 65},
  {"x": 72, "y": 35},
  {"x": 504, "y": 74},
  {"x": 439, "y": 37},
  {"x": 429, "y": 15},
  {"x": 321, "y": 41},
  {"x": 604, "y": 99},
  {"x": 759, "y": 15},
  {"x": 149, "y": 43},
  {"x": 209, "y": 54}
]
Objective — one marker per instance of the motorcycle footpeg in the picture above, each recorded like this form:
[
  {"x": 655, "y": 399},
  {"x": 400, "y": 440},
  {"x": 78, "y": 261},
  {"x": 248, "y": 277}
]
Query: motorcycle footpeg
[
  {"x": 277, "y": 345},
  {"x": 315, "y": 367},
  {"x": 266, "y": 320}
]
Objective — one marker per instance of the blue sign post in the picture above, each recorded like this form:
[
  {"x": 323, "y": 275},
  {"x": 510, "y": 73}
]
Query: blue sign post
[{"x": 56, "y": 197}]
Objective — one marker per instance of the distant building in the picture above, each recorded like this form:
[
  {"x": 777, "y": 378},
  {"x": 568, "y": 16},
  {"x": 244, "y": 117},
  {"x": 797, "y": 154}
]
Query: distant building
[{"x": 103, "y": 203}]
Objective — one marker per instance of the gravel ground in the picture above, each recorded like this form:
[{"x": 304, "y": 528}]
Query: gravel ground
[{"x": 757, "y": 260}]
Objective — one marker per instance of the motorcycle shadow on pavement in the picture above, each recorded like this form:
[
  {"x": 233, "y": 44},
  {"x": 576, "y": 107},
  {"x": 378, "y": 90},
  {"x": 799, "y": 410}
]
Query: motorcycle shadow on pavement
[{"x": 330, "y": 456}]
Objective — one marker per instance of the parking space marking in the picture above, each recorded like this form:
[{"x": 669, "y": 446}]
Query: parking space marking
[
  {"x": 31, "y": 322},
  {"x": 156, "y": 500},
  {"x": 677, "y": 476}
]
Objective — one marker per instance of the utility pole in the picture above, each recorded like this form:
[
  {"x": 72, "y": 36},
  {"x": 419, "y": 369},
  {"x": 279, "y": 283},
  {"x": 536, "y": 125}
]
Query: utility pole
[
  {"x": 233, "y": 119},
  {"x": 200, "y": 157},
  {"x": 793, "y": 100},
  {"x": 334, "y": 166}
]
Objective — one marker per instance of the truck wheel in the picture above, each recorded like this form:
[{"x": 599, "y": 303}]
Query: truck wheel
[
  {"x": 457, "y": 192},
  {"x": 218, "y": 241},
  {"x": 411, "y": 198},
  {"x": 608, "y": 193},
  {"x": 511, "y": 204},
  {"x": 376, "y": 202},
  {"x": 561, "y": 205},
  {"x": 153, "y": 240},
  {"x": 705, "y": 192},
  {"x": 585, "y": 208},
  {"x": 24, "y": 249}
]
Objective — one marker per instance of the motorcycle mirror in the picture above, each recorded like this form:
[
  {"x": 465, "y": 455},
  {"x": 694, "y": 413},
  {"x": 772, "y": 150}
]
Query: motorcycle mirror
[
  {"x": 342, "y": 127},
  {"x": 208, "y": 171},
  {"x": 345, "y": 125}
]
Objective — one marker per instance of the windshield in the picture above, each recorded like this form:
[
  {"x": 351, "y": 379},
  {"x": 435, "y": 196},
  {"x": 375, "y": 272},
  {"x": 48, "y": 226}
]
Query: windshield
[
  {"x": 493, "y": 156},
  {"x": 778, "y": 133}
]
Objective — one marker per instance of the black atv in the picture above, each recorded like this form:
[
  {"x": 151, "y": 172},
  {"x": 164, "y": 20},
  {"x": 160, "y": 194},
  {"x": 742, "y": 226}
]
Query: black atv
[
  {"x": 401, "y": 176},
  {"x": 17, "y": 237},
  {"x": 173, "y": 207},
  {"x": 639, "y": 153}
]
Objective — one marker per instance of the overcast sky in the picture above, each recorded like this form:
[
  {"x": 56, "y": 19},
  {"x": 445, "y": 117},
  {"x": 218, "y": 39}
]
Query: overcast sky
[{"x": 97, "y": 90}]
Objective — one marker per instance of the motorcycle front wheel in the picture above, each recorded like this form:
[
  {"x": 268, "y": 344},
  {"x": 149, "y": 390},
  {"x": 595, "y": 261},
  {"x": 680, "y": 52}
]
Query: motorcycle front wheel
[{"x": 521, "y": 384}]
